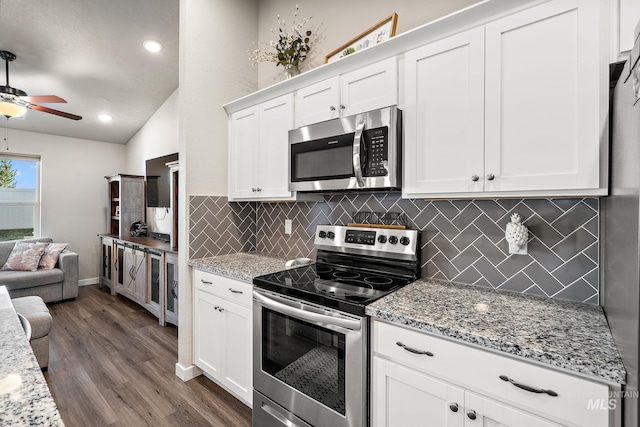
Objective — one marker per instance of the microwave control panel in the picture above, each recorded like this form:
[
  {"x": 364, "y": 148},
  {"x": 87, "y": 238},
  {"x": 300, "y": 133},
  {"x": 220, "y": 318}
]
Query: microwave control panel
[{"x": 377, "y": 149}]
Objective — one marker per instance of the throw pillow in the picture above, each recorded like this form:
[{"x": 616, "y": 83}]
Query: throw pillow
[
  {"x": 25, "y": 256},
  {"x": 50, "y": 255}
]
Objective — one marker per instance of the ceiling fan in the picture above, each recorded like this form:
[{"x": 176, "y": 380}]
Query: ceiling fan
[{"x": 15, "y": 102}]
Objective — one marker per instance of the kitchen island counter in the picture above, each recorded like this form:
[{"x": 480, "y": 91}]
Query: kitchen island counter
[
  {"x": 563, "y": 334},
  {"x": 242, "y": 266},
  {"x": 25, "y": 399}
]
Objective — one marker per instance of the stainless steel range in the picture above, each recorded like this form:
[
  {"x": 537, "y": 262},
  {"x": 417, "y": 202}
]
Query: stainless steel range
[{"x": 310, "y": 332}]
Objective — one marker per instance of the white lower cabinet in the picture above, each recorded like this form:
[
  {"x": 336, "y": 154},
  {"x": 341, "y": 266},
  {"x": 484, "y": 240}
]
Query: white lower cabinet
[
  {"x": 222, "y": 332},
  {"x": 405, "y": 397},
  {"x": 419, "y": 379}
]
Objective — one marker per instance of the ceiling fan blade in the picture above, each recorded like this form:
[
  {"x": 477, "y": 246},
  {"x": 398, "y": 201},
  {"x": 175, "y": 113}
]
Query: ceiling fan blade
[
  {"x": 56, "y": 112},
  {"x": 44, "y": 99}
]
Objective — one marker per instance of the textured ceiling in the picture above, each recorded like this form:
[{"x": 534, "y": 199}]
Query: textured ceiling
[{"x": 90, "y": 53}]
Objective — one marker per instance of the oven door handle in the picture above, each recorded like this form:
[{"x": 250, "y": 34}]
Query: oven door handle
[
  {"x": 306, "y": 315},
  {"x": 357, "y": 141}
]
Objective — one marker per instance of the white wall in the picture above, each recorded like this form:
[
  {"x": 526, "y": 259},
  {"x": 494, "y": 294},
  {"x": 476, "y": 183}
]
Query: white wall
[
  {"x": 74, "y": 191},
  {"x": 338, "y": 21},
  {"x": 214, "y": 35},
  {"x": 158, "y": 137}
]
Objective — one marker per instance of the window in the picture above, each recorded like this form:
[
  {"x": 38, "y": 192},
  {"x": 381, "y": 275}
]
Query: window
[{"x": 19, "y": 197}]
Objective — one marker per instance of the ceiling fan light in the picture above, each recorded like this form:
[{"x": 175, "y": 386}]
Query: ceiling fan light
[
  {"x": 10, "y": 110},
  {"x": 105, "y": 117},
  {"x": 152, "y": 46}
]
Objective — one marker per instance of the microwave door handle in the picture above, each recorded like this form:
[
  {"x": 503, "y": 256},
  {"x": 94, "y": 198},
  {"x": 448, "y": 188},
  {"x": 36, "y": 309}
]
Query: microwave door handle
[{"x": 357, "y": 140}]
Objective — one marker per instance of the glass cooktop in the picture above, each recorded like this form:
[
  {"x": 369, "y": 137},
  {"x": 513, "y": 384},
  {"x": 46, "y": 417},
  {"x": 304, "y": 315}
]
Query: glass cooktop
[{"x": 341, "y": 288}]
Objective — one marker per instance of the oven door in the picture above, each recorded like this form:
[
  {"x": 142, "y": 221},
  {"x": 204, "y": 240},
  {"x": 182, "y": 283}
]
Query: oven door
[{"x": 309, "y": 360}]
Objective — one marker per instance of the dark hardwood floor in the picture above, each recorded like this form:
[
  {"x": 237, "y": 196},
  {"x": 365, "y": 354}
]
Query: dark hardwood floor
[{"x": 111, "y": 364}]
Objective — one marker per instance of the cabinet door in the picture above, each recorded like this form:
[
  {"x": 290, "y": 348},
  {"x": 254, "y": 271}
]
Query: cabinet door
[
  {"x": 238, "y": 350},
  {"x": 444, "y": 116},
  {"x": 483, "y": 412},
  {"x": 139, "y": 275},
  {"x": 171, "y": 288},
  {"x": 404, "y": 397},
  {"x": 132, "y": 202},
  {"x": 119, "y": 268},
  {"x": 369, "y": 88},
  {"x": 545, "y": 98},
  {"x": 243, "y": 141},
  {"x": 317, "y": 102},
  {"x": 276, "y": 119},
  {"x": 208, "y": 333},
  {"x": 154, "y": 286},
  {"x": 106, "y": 246}
]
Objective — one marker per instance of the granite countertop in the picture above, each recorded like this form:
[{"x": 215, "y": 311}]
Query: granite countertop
[
  {"x": 242, "y": 266},
  {"x": 25, "y": 399},
  {"x": 564, "y": 334}
]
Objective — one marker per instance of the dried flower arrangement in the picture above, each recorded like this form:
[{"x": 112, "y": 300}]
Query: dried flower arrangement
[{"x": 291, "y": 47}]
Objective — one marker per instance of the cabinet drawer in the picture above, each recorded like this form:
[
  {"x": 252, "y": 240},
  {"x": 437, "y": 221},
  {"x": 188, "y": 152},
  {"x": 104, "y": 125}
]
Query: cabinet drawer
[
  {"x": 480, "y": 370},
  {"x": 229, "y": 289}
]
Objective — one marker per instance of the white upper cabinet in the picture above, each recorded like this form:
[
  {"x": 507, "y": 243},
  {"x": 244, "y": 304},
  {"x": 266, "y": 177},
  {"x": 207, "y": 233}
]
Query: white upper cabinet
[
  {"x": 368, "y": 88},
  {"x": 626, "y": 16},
  {"x": 515, "y": 108},
  {"x": 258, "y": 151},
  {"x": 318, "y": 102},
  {"x": 444, "y": 115},
  {"x": 544, "y": 115}
]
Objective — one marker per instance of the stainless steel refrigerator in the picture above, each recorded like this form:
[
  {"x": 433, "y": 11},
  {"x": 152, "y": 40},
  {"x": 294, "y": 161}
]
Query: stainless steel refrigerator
[{"x": 620, "y": 236}]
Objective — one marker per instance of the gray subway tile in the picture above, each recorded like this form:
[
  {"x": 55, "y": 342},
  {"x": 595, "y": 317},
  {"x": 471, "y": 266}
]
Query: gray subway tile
[
  {"x": 573, "y": 269},
  {"x": 573, "y": 244},
  {"x": 577, "y": 291},
  {"x": 573, "y": 219}
]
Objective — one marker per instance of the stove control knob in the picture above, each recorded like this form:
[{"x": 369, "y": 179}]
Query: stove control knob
[
  {"x": 322, "y": 234},
  {"x": 404, "y": 240},
  {"x": 393, "y": 240},
  {"x": 331, "y": 235},
  {"x": 382, "y": 238}
]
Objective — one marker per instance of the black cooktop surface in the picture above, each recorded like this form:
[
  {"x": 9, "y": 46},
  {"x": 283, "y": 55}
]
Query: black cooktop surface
[{"x": 345, "y": 289}]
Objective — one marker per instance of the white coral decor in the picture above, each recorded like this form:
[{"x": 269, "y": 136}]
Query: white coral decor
[{"x": 516, "y": 233}]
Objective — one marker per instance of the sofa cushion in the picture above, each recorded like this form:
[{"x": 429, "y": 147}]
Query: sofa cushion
[
  {"x": 50, "y": 255},
  {"x": 36, "y": 312},
  {"x": 25, "y": 256},
  {"x": 28, "y": 279},
  {"x": 7, "y": 246}
]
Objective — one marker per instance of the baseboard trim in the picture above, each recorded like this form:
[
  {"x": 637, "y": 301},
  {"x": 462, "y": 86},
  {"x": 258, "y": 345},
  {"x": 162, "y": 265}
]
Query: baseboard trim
[
  {"x": 187, "y": 373},
  {"x": 90, "y": 281}
]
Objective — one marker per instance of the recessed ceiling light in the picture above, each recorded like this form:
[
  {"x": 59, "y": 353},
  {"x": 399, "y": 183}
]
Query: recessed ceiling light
[
  {"x": 152, "y": 46},
  {"x": 105, "y": 117}
]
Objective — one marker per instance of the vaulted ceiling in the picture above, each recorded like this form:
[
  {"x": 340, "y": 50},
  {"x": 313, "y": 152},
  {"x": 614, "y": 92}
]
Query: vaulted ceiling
[{"x": 90, "y": 53}]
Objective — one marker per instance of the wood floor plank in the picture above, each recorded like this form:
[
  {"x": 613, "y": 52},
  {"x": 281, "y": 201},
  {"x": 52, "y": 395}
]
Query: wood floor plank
[{"x": 111, "y": 364}]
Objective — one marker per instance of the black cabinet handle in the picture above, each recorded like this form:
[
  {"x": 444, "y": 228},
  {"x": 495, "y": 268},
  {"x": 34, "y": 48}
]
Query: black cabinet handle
[
  {"x": 413, "y": 350},
  {"x": 453, "y": 406},
  {"x": 234, "y": 291},
  {"x": 471, "y": 414},
  {"x": 528, "y": 388},
  {"x": 206, "y": 282}
]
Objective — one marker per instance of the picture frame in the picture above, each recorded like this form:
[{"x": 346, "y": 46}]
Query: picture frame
[{"x": 378, "y": 33}]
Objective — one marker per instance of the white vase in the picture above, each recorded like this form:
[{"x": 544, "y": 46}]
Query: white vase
[{"x": 290, "y": 71}]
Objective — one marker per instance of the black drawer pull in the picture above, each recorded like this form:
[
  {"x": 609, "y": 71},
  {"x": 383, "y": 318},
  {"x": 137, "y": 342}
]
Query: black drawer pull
[
  {"x": 413, "y": 350},
  {"x": 528, "y": 388},
  {"x": 234, "y": 291},
  {"x": 206, "y": 282}
]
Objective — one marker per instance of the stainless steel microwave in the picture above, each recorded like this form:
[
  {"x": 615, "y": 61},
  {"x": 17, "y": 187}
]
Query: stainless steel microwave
[{"x": 359, "y": 152}]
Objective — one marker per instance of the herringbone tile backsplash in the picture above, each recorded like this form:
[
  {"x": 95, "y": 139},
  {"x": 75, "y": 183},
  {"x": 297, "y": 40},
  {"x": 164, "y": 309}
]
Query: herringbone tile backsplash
[
  {"x": 217, "y": 227},
  {"x": 462, "y": 240}
]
